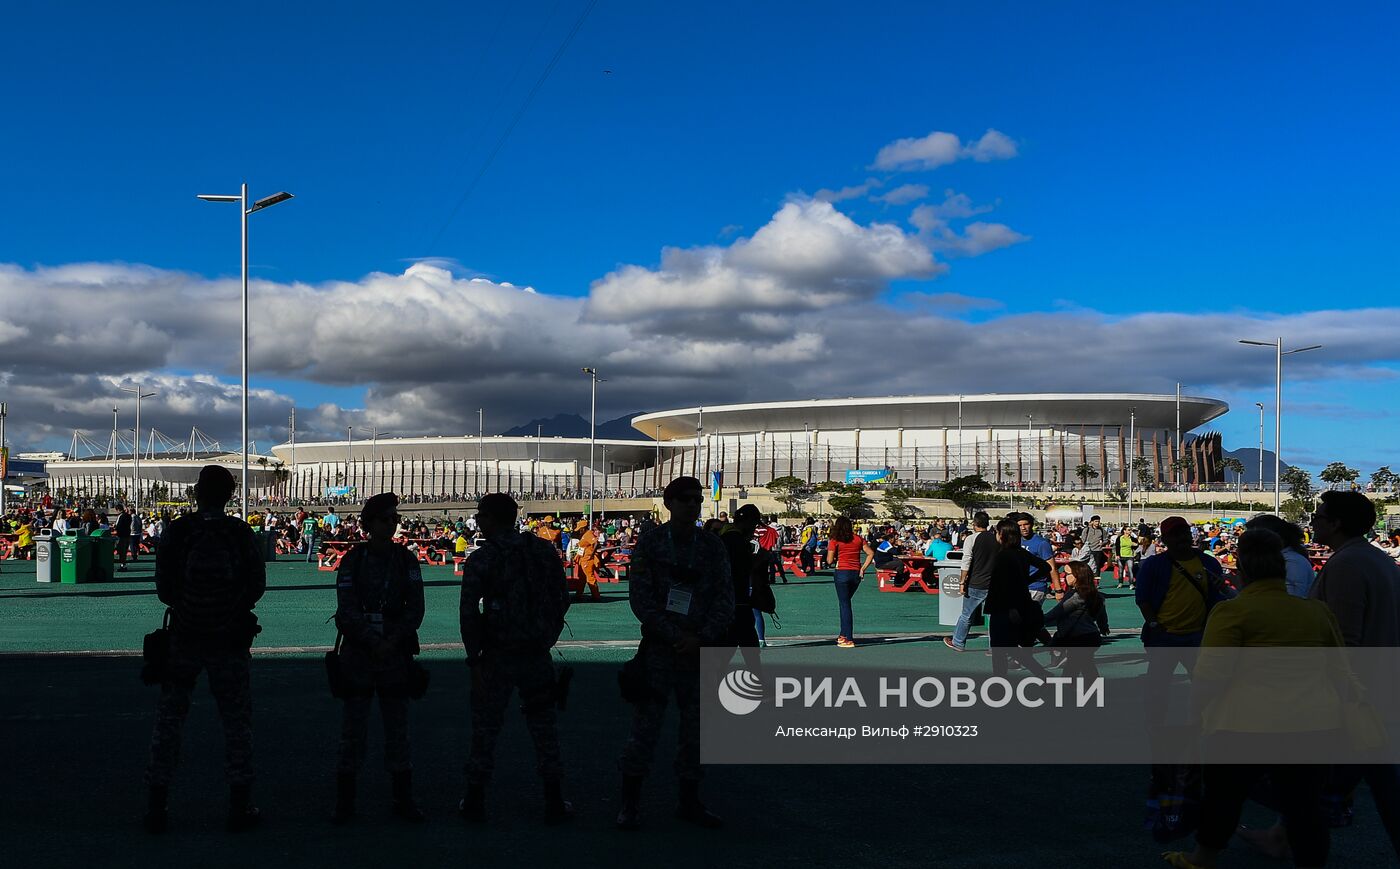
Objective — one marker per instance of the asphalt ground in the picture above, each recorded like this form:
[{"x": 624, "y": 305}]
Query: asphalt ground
[{"x": 75, "y": 724}]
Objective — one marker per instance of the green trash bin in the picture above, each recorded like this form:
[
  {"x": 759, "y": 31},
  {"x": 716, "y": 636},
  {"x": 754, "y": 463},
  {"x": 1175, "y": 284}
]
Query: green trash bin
[
  {"x": 103, "y": 565},
  {"x": 74, "y": 558}
]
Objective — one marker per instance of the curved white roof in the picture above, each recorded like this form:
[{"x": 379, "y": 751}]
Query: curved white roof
[
  {"x": 470, "y": 448},
  {"x": 989, "y": 410}
]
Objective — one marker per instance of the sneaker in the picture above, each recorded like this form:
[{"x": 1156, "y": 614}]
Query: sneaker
[
  {"x": 948, "y": 641},
  {"x": 845, "y": 643}
]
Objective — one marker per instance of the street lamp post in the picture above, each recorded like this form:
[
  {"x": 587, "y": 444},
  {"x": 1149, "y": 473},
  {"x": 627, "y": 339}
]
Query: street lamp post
[
  {"x": 1260, "y": 405},
  {"x": 244, "y": 209},
  {"x": 1279, "y": 353},
  {"x": 1132, "y": 471},
  {"x": 592, "y": 437},
  {"x": 3, "y": 413},
  {"x": 136, "y": 443}
]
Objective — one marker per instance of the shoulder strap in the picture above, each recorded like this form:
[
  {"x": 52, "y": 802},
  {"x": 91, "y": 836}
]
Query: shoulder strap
[{"x": 1201, "y": 589}]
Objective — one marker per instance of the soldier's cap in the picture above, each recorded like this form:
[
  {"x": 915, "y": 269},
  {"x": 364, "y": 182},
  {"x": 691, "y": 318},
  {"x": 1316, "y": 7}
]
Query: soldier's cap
[
  {"x": 383, "y": 504},
  {"x": 747, "y": 513},
  {"x": 1175, "y": 523},
  {"x": 216, "y": 480},
  {"x": 680, "y": 486}
]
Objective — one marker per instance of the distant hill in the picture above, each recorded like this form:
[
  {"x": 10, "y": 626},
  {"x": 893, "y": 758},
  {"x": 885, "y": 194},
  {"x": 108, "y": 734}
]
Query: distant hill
[{"x": 571, "y": 425}]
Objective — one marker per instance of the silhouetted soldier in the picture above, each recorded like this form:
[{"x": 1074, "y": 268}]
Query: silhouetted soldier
[
  {"x": 210, "y": 573},
  {"x": 514, "y": 597},
  {"x": 681, "y": 592},
  {"x": 379, "y": 608},
  {"x": 748, "y": 567}
]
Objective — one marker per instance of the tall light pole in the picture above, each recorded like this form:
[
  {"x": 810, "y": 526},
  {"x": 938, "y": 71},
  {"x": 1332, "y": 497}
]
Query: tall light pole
[
  {"x": 116, "y": 441},
  {"x": 1260, "y": 405},
  {"x": 136, "y": 442},
  {"x": 960, "y": 447},
  {"x": 1132, "y": 471},
  {"x": 480, "y": 440},
  {"x": 292, "y": 435},
  {"x": 6, "y": 462},
  {"x": 592, "y": 437},
  {"x": 1279, "y": 353},
  {"x": 244, "y": 209},
  {"x": 349, "y": 452}
]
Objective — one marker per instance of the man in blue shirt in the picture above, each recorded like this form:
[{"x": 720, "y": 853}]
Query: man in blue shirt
[
  {"x": 939, "y": 547},
  {"x": 1040, "y": 547}
]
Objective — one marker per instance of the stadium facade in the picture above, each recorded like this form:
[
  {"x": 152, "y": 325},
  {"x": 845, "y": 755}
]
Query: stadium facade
[{"x": 1036, "y": 439}]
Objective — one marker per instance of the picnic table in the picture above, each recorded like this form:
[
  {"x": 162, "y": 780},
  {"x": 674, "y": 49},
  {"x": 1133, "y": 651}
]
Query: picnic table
[
  {"x": 792, "y": 559},
  {"x": 427, "y": 550},
  {"x": 332, "y": 553},
  {"x": 918, "y": 566}
]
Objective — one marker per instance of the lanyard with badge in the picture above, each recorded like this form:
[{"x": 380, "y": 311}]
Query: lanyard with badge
[{"x": 679, "y": 597}]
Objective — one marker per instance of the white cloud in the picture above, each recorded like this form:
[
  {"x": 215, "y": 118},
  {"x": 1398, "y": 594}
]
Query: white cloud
[
  {"x": 808, "y": 256},
  {"x": 939, "y": 149},
  {"x": 975, "y": 239},
  {"x": 904, "y": 194},
  {"x": 854, "y": 191}
]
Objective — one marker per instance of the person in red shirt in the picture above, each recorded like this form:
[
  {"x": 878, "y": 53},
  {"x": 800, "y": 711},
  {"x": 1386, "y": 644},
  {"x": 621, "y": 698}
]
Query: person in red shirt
[
  {"x": 768, "y": 549},
  {"x": 845, "y": 553}
]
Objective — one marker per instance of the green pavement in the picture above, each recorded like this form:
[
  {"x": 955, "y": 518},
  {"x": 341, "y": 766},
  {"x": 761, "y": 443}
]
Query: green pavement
[{"x": 113, "y": 616}]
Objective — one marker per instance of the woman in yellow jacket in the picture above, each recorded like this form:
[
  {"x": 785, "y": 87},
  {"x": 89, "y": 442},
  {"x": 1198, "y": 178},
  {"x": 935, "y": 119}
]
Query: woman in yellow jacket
[{"x": 1260, "y": 706}]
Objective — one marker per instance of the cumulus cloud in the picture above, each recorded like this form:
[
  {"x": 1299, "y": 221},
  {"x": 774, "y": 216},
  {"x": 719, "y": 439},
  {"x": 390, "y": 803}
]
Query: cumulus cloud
[
  {"x": 808, "y": 256},
  {"x": 430, "y": 349},
  {"x": 939, "y": 149},
  {"x": 974, "y": 239}
]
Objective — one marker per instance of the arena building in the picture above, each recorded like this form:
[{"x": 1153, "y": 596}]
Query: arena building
[
  {"x": 1034, "y": 439},
  {"x": 1039, "y": 440}
]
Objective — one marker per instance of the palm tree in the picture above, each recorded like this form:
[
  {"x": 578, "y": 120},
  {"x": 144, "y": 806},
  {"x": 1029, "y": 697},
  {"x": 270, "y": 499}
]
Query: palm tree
[
  {"x": 1085, "y": 473},
  {"x": 1230, "y": 463}
]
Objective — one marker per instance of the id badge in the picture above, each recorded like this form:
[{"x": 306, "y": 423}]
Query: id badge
[{"x": 678, "y": 601}]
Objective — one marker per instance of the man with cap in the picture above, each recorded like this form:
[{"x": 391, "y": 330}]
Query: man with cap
[
  {"x": 549, "y": 532},
  {"x": 379, "y": 608},
  {"x": 588, "y": 560},
  {"x": 1176, "y": 590},
  {"x": 512, "y": 608},
  {"x": 682, "y": 593},
  {"x": 747, "y": 568},
  {"x": 210, "y": 573}
]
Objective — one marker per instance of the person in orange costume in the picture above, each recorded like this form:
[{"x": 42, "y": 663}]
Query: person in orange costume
[
  {"x": 588, "y": 560},
  {"x": 548, "y": 531}
]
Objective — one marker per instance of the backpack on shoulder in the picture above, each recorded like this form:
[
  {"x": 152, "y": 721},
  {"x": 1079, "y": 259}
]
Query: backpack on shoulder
[
  {"x": 211, "y": 595},
  {"x": 524, "y": 606}
]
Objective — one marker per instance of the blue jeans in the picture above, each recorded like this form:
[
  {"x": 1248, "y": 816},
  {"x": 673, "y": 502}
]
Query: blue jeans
[
  {"x": 971, "y": 600},
  {"x": 846, "y": 581},
  {"x": 758, "y": 624}
]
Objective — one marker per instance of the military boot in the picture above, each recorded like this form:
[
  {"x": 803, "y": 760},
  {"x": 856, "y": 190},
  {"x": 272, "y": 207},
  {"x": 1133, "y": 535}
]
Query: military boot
[
  {"x": 692, "y": 810},
  {"x": 157, "y": 818},
  {"x": 242, "y": 814},
  {"x": 404, "y": 805},
  {"x": 557, "y": 810},
  {"x": 629, "y": 817},
  {"x": 344, "y": 798},
  {"x": 472, "y": 808}
]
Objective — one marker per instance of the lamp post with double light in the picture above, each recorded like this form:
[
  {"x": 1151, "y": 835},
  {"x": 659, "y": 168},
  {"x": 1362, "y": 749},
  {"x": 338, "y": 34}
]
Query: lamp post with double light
[
  {"x": 244, "y": 209},
  {"x": 1279, "y": 353}
]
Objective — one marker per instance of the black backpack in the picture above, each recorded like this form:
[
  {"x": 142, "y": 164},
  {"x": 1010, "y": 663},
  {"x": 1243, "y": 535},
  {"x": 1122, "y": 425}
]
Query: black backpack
[{"x": 211, "y": 590}]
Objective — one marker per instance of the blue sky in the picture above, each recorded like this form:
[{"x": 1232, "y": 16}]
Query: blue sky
[{"x": 1169, "y": 158}]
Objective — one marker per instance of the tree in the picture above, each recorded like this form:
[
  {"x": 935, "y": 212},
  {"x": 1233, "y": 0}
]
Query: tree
[
  {"x": 1338, "y": 472},
  {"x": 1142, "y": 470},
  {"x": 789, "y": 490},
  {"x": 1299, "y": 487},
  {"x": 897, "y": 505},
  {"x": 849, "y": 500},
  {"x": 1384, "y": 478},
  {"x": 1085, "y": 473},
  {"x": 829, "y": 486},
  {"x": 965, "y": 491},
  {"x": 1235, "y": 466},
  {"x": 1294, "y": 511},
  {"x": 1180, "y": 465}
]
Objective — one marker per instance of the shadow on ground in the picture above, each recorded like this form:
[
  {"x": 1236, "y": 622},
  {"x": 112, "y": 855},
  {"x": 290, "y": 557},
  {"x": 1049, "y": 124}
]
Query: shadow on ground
[{"x": 75, "y": 732}]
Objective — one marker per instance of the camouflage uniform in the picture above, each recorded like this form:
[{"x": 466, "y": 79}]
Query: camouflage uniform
[
  {"x": 224, "y": 655},
  {"x": 378, "y": 595},
  {"x": 500, "y": 667},
  {"x": 660, "y": 564}
]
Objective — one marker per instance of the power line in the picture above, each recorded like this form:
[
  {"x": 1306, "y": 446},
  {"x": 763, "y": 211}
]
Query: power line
[{"x": 529, "y": 98}]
